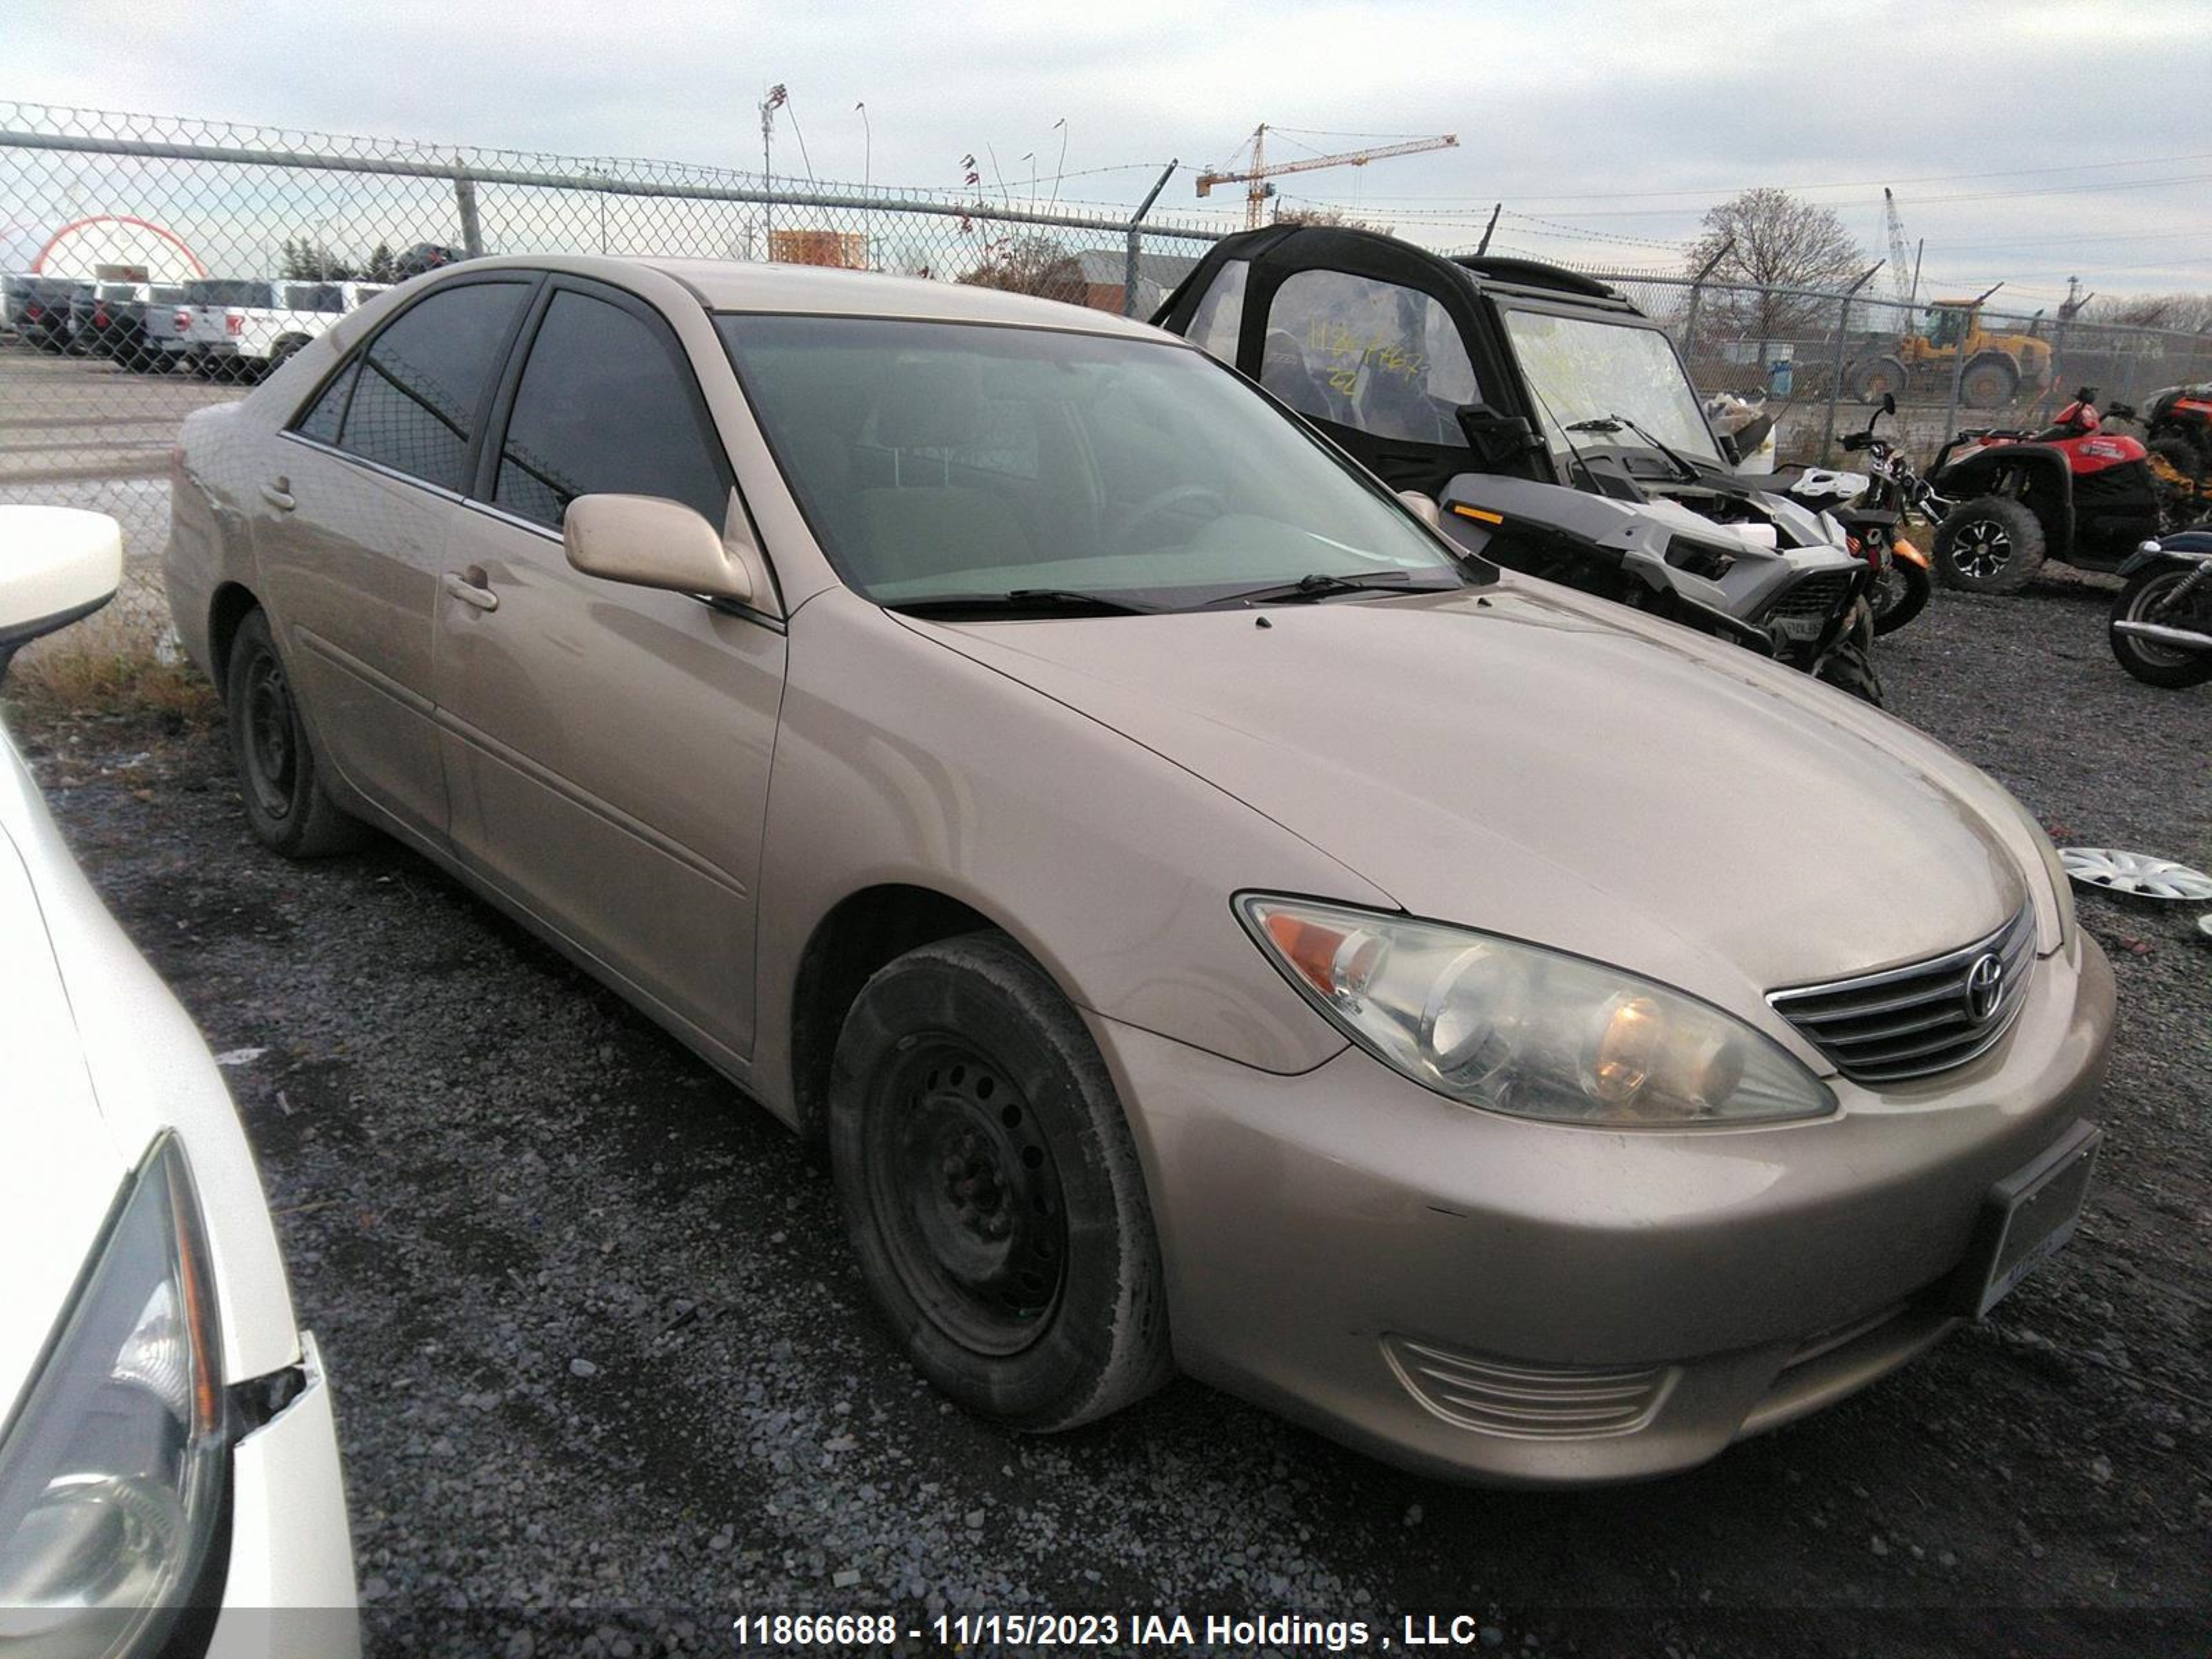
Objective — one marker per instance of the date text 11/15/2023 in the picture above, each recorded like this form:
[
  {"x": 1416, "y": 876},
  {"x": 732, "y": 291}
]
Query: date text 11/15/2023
[{"x": 1077, "y": 1632}]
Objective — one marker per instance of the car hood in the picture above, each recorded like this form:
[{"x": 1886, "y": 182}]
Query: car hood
[
  {"x": 60, "y": 1170},
  {"x": 1531, "y": 761}
]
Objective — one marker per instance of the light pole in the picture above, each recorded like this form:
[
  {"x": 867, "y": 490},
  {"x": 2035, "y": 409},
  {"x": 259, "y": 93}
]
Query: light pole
[{"x": 868, "y": 177}]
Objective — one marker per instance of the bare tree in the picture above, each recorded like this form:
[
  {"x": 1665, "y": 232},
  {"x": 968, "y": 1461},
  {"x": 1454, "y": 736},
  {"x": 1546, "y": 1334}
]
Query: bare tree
[
  {"x": 1775, "y": 241},
  {"x": 1324, "y": 216},
  {"x": 1030, "y": 264}
]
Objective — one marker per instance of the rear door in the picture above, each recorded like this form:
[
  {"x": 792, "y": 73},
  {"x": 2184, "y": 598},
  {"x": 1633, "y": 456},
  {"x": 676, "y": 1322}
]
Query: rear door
[
  {"x": 607, "y": 747},
  {"x": 351, "y": 525}
]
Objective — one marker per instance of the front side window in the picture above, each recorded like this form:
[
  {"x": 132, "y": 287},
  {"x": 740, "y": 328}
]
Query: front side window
[
  {"x": 230, "y": 291},
  {"x": 1156, "y": 477},
  {"x": 423, "y": 379},
  {"x": 605, "y": 406},
  {"x": 1378, "y": 356},
  {"x": 1219, "y": 322}
]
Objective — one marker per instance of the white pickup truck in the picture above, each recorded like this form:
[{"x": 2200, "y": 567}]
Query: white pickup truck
[{"x": 247, "y": 326}]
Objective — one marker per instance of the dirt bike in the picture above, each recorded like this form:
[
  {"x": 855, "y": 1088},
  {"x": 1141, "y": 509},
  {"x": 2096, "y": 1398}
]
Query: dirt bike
[
  {"x": 1873, "y": 508},
  {"x": 2161, "y": 626}
]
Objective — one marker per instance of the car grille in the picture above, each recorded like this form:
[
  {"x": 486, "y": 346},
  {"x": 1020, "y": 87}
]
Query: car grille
[
  {"x": 1817, "y": 595},
  {"x": 1920, "y": 1019},
  {"x": 1534, "y": 1402}
]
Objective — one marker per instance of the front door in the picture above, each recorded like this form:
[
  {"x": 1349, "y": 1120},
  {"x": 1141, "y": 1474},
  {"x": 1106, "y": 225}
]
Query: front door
[{"x": 607, "y": 747}]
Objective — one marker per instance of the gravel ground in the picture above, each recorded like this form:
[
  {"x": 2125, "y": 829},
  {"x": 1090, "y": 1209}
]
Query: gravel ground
[{"x": 607, "y": 1376}]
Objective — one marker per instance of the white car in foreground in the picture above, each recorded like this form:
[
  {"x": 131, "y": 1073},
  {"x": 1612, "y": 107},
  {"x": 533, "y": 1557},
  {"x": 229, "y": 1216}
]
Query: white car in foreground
[{"x": 169, "y": 1465}]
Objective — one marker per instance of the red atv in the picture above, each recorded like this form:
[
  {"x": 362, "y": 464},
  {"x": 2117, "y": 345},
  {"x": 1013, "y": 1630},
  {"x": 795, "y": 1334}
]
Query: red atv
[{"x": 2073, "y": 492}]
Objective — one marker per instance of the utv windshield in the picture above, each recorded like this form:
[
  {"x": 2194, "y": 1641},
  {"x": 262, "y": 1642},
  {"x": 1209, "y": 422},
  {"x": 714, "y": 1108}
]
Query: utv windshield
[
  {"x": 938, "y": 462},
  {"x": 1598, "y": 369}
]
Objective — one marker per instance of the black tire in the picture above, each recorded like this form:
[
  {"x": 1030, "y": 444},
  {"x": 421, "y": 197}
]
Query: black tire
[
  {"x": 992, "y": 1190},
  {"x": 283, "y": 353},
  {"x": 286, "y": 805},
  {"x": 1900, "y": 594},
  {"x": 1990, "y": 544},
  {"x": 2183, "y": 456},
  {"x": 1849, "y": 664},
  {"x": 1882, "y": 375},
  {"x": 1989, "y": 382},
  {"x": 2155, "y": 665}
]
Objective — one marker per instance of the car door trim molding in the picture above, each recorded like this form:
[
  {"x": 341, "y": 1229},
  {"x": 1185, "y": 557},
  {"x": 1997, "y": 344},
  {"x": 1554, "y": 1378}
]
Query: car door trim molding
[
  {"x": 698, "y": 863},
  {"x": 367, "y": 465}
]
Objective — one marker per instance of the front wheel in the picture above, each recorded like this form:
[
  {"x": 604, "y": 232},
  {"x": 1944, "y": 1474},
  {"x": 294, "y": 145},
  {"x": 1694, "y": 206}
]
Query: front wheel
[
  {"x": 1992, "y": 545},
  {"x": 1849, "y": 664},
  {"x": 2152, "y": 596},
  {"x": 286, "y": 805},
  {"x": 992, "y": 1191},
  {"x": 1901, "y": 594}
]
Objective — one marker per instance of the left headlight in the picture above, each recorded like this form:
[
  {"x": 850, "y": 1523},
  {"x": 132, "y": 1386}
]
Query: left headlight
[
  {"x": 1515, "y": 1027},
  {"x": 110, "y": 1472}
]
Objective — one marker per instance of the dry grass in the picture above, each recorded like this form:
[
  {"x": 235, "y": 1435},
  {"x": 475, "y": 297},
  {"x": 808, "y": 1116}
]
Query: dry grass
[{"x": 118, "y": 676}]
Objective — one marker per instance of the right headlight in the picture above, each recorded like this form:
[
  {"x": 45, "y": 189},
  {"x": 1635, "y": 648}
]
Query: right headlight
[
  {"x": 1513, "y": 1028},
  {"x": 111, "y": 1473}
]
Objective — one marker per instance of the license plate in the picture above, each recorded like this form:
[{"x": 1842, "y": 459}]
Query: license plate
[{"x": 2027, "y": 1217}]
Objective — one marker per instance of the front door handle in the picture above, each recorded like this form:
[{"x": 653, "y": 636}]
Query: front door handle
[
  {"x": 473, "y": 587},
  {"x": 279, "y": 495}
]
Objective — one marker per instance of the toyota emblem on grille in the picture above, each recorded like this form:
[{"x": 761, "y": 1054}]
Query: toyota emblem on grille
[{"x": 1985, "y": 987}]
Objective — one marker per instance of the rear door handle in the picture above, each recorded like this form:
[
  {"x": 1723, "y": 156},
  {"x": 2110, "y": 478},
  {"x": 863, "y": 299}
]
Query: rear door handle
[
  {"x": 473, "y": 587},
  {"x": 279, "y": 495}
]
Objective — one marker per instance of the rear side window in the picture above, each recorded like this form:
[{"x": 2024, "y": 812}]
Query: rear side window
[
  {"x": 1374, "y": 355},
  {"x": 327, "y": 413},
  {"x": 606, "y": 404},
  {"x": 414, "y": 408}
]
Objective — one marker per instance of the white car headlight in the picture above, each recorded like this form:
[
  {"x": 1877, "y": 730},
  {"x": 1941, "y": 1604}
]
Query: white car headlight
[
  {"x": 112, "y": 1470},
  {"x": 1513, "y": 1028}
]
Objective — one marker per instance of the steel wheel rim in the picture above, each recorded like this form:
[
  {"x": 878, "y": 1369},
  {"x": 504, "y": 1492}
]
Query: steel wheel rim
[
  {"x": 271, "y": 736},
  {"x": 1984, "y": 547},
  {"x": 1889, "y": 590},
  {"x": 967, "y": 1194},
  {"x": 2139, "y": 875}
]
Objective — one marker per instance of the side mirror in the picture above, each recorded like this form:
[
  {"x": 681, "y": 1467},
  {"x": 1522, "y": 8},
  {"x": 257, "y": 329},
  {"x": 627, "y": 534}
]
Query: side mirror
[
  {"x": 1889, "y": 402},
  {"x": 649, "y": 542},
  {"x": 1731, "y": 452},
  {"x": 1496, "y": 438},
  {"x": 1423, "y": 508},
  {"x": 56, "y": 564}
]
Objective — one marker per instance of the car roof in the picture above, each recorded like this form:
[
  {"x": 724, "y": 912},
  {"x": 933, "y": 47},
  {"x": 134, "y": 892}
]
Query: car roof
[{"x": 828, "y": 291}]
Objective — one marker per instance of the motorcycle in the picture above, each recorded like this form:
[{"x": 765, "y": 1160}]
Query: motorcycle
[
  {"x": 2161, "y": 626},
  {"x": 1873, "y": 507}
]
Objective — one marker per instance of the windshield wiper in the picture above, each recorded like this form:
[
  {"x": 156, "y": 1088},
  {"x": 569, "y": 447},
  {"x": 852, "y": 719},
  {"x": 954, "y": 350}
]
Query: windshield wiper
[
  {"x": 1322, "y": 585},
  {"x": 1022, "y": 601},
  {"x": 1610, "y": 423}
]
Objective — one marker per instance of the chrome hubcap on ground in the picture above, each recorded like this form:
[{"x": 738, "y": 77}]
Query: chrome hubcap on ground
[
  {"x": 2140, "y": 875},
  {"x": 968, "y": 1196},
  {"x": 272, "y": 752},
  {"x": 1983, "y": 548}
]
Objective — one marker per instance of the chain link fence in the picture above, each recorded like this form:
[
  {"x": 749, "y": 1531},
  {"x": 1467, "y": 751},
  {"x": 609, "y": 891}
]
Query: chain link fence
[{"x": 152, "y": 265}]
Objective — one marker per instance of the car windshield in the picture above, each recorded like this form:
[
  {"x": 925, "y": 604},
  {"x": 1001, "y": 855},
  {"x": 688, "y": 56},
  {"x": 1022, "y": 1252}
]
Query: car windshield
[
  {"x": 1590, "y": 368},
  {"x": 943, "y": 460}
]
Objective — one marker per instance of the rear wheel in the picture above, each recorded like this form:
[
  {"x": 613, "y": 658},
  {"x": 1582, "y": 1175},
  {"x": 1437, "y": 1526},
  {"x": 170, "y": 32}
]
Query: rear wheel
[
  {"x": 1989, "y": 383},
  {"x": 286, "y": 805},
  {"x": 1992, "y": 545},
  {"x": 991, "y": 1188},
  {"x": 2150, "y": 597},
  {"x": 2183, "y": 456}
]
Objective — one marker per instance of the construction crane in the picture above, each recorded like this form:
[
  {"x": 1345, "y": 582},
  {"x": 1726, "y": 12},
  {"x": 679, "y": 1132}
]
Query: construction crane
[
  {"x": 1906, "y": 287},
  {"x": 1255, "y": 176}
]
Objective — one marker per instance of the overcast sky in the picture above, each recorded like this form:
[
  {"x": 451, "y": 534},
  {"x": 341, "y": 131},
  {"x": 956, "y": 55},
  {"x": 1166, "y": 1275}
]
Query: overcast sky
[{"x": 2082, "y": 122}]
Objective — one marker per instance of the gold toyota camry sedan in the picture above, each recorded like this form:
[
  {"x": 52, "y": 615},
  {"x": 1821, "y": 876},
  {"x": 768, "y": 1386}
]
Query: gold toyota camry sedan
[{"x": 1212, "y": 923}]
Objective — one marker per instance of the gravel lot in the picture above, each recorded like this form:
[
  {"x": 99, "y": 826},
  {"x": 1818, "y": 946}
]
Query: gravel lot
[{"x": 607, "y": 1377}]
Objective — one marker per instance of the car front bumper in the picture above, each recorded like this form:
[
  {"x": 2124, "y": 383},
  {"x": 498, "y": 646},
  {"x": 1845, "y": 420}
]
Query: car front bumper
[
  {"x": 1495, "y": 1299},
  {"x": 288, "y": 1583}
]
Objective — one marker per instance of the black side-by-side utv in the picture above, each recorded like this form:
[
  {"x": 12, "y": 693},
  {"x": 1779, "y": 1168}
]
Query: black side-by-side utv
[{"x": 1551, "y": 423}]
